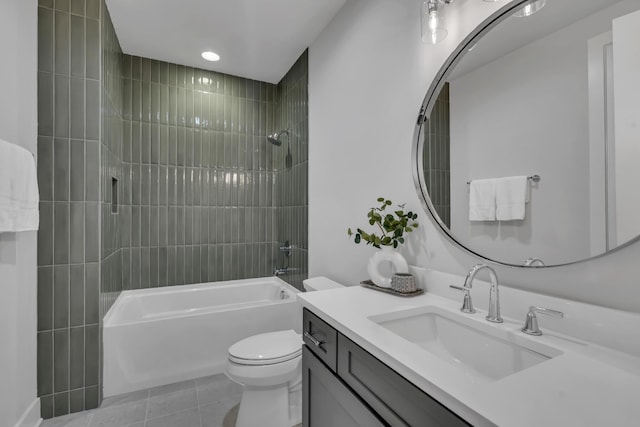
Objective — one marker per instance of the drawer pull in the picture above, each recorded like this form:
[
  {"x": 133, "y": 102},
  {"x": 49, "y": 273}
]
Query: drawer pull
[{"x": 313, "y": 339}]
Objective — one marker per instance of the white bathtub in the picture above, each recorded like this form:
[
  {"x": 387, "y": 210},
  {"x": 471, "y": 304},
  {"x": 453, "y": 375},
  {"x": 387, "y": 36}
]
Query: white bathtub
[{"x": 159, "y": 336}]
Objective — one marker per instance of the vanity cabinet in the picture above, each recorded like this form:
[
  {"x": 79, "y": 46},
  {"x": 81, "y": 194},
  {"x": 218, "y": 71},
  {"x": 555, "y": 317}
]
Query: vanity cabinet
[{"x": 344, "y": 385}]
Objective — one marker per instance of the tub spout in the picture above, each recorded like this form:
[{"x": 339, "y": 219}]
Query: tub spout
[{"x": 282, "y": 271}]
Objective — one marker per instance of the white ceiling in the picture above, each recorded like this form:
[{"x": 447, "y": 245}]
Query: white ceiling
[
  {"x": 514, "y": 33},
  {"x": 256, "y": 39}
]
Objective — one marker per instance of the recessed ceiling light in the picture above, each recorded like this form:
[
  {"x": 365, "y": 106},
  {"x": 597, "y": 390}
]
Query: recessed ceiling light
[{"x": 210, "y": 56}]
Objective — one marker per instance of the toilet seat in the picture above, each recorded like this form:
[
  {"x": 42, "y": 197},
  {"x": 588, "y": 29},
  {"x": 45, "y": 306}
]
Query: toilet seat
[{"x": 267, "y": 349}]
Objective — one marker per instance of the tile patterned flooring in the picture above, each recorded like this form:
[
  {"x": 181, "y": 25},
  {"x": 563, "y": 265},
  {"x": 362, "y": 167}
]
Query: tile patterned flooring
[{"x": 205, "y": 402}]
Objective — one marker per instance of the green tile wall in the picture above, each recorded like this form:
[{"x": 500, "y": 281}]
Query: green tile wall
[
  {"x": 111, "y": 165},
  {"x": 202, "y": 195},
  {"x": 292, "y": 174},
  {"x": 199, "y": 176},
  {"x": 436, "y": 158},
  {"x": 68, "y": 239}
]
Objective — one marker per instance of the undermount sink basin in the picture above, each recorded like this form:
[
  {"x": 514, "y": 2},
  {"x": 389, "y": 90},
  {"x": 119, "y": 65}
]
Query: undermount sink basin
[{"x": 483, "y": 352}]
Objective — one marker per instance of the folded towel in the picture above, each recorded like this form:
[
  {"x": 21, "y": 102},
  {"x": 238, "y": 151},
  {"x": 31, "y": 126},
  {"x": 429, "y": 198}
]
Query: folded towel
[
  {"x": 482, "y": 200},
  {"x": 19, "y": 195},
  {"x": 511, "y": 197}
]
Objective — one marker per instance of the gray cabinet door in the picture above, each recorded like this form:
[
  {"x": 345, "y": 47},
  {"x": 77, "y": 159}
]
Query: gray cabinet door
[
  {"x": 390, "y": 395},
  {"x": 326, "y": 402}
]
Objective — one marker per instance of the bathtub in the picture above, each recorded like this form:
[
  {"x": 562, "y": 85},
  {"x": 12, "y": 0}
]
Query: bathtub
[{"x": 158, "y": 336}]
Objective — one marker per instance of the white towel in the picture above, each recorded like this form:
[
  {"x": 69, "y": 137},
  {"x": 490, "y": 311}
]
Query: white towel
[
  {"x": 511, "y": 197},
  {"x": 19, "y": 195},
  {"x": 482, "y": 200}
]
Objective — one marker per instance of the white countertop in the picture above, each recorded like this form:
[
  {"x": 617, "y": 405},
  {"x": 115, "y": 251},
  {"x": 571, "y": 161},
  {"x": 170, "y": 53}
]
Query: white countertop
[{"x": 587, "y": 385}]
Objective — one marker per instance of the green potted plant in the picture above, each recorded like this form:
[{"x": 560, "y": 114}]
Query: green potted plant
[{"x": 391, "y": 226}]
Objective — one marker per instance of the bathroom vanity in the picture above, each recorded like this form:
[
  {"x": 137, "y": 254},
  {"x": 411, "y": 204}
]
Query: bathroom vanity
[
  {"x": 344, "y": 385},
  {"x": 372, "y": 359}
]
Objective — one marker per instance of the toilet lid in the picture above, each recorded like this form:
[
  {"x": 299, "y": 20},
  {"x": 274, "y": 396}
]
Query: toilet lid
[{"x": 267, "y": 348}]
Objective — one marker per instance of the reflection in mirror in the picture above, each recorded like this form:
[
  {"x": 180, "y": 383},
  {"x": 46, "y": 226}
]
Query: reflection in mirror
[{"x": 553, "y": 94}]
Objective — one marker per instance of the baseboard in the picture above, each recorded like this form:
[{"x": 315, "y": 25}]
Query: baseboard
[{"x": 31, "y": 417}]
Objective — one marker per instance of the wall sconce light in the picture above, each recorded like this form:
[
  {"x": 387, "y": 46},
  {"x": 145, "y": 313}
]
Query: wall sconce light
[
  {"x": 432, "y": 23},
  {"x": 530, "y": 8}
]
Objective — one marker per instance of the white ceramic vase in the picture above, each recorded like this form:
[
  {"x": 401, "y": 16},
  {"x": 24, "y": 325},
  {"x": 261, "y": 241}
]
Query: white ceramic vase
[{"x": 387, "y": 254}]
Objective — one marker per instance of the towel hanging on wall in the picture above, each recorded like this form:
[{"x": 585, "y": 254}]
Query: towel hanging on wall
[
  {"x": 19, "y": 195},
  {"x": 511, "y": 197},
  {"x": 482, "y": 200}
]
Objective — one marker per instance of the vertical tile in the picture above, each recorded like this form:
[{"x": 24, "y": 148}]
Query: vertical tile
[
  {"x": 153, "y": 267},
  {"x": 76, "y": 295},
  {"x": 46, "y": 404},
  {"x": 45, "y": 103},
  {"x": 92, "y": 297},
  {"x": 145, "y": 267},
  {"x": 61, "y": 171},
  {"x": 76, "y": 400},
  {"x": 93, "y": 9},
  {"x": 77, "y": 45},
  {"x": 77, "y": 7},
  {"x": 61, "y": 233},
  {"x": 91, "y": 179},
  {"x": 92, "y": 46},
  {"x": 91, "y": 397},
  {"x": 45, "y": 298},
  {"x": 93, "y": 110},
  {"x": 76, "y": 360},
  {"x": 76, "y": 238},
  {"x": 61, "y": 105},
  {"x": 92, "y": 354},
  {"x": 77, "y": 164},
  {"x": 60, "y": 360},
  {"x": 76, "y": 108},
  {"x": 45, "y": 362},
  {"x": 60, "y": 404},
  {"x": 92, "y": 224},
  {"x": 45, "y": 39},
  {"x": 45, "y": 234},
  {"x": 62, "y": 42}
]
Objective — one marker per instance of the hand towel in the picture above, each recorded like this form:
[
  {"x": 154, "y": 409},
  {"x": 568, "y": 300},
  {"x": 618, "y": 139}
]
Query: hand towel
[
  {"x": 511, "y": 197},
  {"x": 482, "y": 200},
  {"x": 19, "y": 195}
]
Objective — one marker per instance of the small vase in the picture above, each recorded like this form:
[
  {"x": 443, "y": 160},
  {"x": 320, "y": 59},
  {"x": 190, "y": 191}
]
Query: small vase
[{"x": 390, "y": 255}]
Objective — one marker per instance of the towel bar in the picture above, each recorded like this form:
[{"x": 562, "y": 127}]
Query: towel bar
[{"x": 534, "y": 178}]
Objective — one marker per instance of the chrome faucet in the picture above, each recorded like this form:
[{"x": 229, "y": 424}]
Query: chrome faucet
[
  {"x": 531, "y": 323},
  {"x": 533, "y": 262},
  {"x": 494, "y": 297},
  {"x": 283, "y": 271}
]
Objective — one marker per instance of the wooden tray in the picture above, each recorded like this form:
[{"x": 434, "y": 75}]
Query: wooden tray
[{"x": 369, "y": 284}]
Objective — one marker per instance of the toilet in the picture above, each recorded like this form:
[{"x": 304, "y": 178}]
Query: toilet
[{"x": 269, "y": 368}]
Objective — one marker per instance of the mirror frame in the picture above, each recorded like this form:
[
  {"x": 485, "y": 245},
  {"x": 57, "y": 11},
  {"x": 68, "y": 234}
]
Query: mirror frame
[{"x": 438, "y": 82}]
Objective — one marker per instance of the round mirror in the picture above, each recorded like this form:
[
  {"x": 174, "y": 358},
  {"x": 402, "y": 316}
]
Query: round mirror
[{"x": 527, "y": 147}]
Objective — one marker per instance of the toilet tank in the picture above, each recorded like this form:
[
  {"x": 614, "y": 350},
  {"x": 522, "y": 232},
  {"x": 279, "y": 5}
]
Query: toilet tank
[{"x": 320, "y": 283}]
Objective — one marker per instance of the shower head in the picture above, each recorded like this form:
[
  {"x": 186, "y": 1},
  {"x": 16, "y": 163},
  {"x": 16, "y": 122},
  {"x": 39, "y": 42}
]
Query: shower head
[{"x": 275, "y": 138}]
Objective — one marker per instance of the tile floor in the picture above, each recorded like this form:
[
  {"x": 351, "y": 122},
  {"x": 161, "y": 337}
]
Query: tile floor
[{"x": 205, "y": 402}]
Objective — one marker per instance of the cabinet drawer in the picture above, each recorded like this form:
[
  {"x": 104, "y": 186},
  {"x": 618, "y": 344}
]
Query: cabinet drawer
[
  {"x": 395, "y": 399},
  {"x": 321, "y": 338}
]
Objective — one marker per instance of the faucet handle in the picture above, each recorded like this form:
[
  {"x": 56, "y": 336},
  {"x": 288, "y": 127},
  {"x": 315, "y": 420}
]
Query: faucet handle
[
  {"x": 467, "y": 304},
  {"x": 531, "y": 323}
]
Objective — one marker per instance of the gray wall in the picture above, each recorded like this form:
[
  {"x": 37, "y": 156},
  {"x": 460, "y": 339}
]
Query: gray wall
[
  {"x": 68, "y": 240},
  {"x": 291, "y": 174}
]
